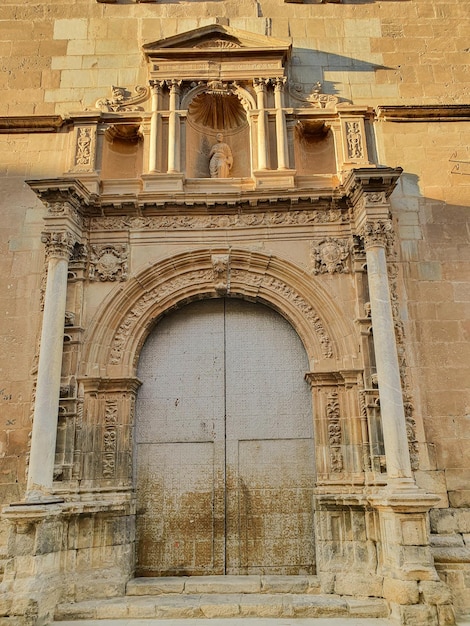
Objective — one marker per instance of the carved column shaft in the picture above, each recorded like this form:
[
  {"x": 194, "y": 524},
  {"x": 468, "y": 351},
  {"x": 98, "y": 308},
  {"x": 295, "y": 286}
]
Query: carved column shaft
[
  {"x": 281, "y": 127},
  {"x": 156, "y": 91},
  {"x": 260, "y": 88},
  {"x": 388, "y": 371},
  {"x": 46, "y": 409},
  {"x": 173, "y": 129}
]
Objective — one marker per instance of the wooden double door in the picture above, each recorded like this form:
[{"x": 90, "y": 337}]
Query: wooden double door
[{"x": 224, "y": 468}]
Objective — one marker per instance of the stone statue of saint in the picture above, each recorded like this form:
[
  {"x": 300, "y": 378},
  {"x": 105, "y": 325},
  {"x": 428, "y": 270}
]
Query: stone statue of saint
[{"x": 221, "y": 159}]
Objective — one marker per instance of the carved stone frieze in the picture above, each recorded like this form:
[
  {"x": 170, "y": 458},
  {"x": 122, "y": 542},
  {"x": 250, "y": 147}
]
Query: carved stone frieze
[
  {"x": 108, "y": 262},
  {"x": 110, "y": 438},
  {"x": 85, "y": 149},
  {"x": 330, "y": 256},
  {"x": 308, "y": 311},
  {"x": 334, "y": 432},
  {"x": 148, "y": 299},
  {"x": 239, "y": 220},
  {"x": 122, "y": 100},
  {"x": 59, "y": 245},
  {"x": 354, "y": 140},
  {"x": 209, "y": 277}
]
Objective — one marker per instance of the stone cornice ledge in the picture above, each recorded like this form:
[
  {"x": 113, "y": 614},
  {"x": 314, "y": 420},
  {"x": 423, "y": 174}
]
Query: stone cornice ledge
[
  {"x": 424, "y": 113},
  {"x": 31, "y": 124}
]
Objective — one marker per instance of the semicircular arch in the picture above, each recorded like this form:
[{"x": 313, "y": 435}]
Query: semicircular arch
[{"x": 124, "y": 320}]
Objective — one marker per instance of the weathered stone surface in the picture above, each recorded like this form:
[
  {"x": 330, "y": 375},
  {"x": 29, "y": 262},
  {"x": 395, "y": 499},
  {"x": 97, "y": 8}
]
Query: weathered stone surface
[
  {"x": 285, "y": 584},
  {"x": 153, "y": 586},
  {"x": 435, "y": 592},
  {"x": 264, "y": 605},
  {"x": 223, "y": 584},
  {"x": 418, "y": 615},
  {"x": 352, "y": 584},
  {"x": 401, "y": 591},
  {"x": 167, "y": 607},
  {"x": 220, "y": 605},
  {"x": 367, "y": 607},
  {"x": 318, "y": 606}
]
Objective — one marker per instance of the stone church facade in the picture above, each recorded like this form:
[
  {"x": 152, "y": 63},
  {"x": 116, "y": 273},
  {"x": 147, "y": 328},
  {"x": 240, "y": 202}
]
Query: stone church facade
[{"x": 235, "y": 305}]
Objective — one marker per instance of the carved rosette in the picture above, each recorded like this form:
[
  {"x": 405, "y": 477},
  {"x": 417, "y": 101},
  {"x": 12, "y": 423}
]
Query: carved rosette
[
  {"x": 334, "y": 432},
  {"x": 330, "y": 256},
  {"x": 378, "y": 233},
  {"x": 108, "y": 262},
  {"x": 110, "y": 438},
  {"x": 59, "y": 245}
]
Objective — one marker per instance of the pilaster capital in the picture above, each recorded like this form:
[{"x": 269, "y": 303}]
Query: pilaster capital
[
  {"x": 59, "y": 245},
  {"x": 367, "y": 190}
]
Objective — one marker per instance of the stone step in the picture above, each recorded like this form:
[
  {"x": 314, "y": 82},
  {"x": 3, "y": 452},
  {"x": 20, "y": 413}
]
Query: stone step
[
  {"x": 217, "y": 605},
  {"x": 223, "y": 584}
]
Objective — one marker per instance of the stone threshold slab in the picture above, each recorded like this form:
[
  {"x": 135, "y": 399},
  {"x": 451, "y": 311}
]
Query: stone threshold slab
[
  {"x": 210, "y": 606},
  {"x": 246, "y": 621},
  {"x": 223, "y": 584}
]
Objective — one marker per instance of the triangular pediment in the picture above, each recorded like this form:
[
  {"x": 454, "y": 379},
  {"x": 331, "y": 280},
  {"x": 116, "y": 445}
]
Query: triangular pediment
[{"x": 215, "y": 38}]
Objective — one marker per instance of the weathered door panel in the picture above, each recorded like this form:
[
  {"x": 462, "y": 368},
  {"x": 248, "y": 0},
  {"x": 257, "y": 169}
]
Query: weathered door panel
[{"x": 224, "y": 447}]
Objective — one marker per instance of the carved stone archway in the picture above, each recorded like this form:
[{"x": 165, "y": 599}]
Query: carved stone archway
[{"x": 113, "y": 341}]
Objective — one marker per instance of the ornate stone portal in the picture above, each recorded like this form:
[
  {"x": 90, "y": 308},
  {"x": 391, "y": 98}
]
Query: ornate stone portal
[{"x": 122, "y": 253}]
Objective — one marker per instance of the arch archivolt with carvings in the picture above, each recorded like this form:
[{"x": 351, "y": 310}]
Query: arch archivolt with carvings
[{"x": 118, "y": 332}]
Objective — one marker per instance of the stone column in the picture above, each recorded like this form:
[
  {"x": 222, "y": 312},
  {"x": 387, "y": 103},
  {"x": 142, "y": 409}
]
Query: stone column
[
  {"x": 260, "y": 85},
  {"x": 173, "y": 128},
  {"x": 281, "y": 127},
  {"x": 156, "y": 87},
  {"x": 59, "y": 246},
  {"x": 375, "y": 235}
]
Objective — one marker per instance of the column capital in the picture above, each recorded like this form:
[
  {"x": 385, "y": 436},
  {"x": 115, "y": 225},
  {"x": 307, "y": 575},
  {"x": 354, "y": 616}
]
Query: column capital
[
  {"x": 377, "y": 233},
  {"x": 174, "y": 85},
  {"x": 59, "y": 245},
  {"x": 279, "y": 83},
  {"x": 156, "y": 85},
  {"x": 260, "y": 84}
]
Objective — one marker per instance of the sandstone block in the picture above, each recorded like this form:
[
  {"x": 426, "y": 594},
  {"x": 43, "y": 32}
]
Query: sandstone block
[
  {"x": 401, "y": 591},
  {"x": 113, "y": 609},
  {"x": 155, "y": 586},
  {"x": 82, "y": 610},
  {"x": 141, "y": 608},
  {"x": 177, "y": 607},
  {"x": 418, "y": 615},
  {"x": 367, "y": 607},
  {"x": 446, "y": 615},
  {"x": 435, "y": 592},
  {"x": 264, "y": 605},
  {"x": 357, "y": 584},
  {"x": 219, "y": 606},
  {"x": 223, "y": 584},
  {"x": 318, "y": 606},
  {"x": 284, "y": 584}
]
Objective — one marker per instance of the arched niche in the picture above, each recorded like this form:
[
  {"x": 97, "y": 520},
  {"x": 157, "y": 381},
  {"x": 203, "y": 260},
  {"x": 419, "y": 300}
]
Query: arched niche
[
  {"x": 314, "y": 148},
  {"x": 212, "y": 112},
  {"x": 122, "y": 155}
]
